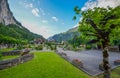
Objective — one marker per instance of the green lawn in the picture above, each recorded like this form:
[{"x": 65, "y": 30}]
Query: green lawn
[
  {"x": 48, "y": 65},
  {"x": 8, "y": 57},
  {"x": 44, "y": 65},
  {"x": 6, "y": 49},
  {"x": 114, "y": 74}
]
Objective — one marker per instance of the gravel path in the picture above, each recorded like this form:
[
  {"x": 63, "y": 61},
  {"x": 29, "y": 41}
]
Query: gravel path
[{"x": 91, "y": 59}]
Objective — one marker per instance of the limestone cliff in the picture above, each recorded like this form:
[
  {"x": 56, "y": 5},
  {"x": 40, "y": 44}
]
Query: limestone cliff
[{"x": 6, "y": 16}]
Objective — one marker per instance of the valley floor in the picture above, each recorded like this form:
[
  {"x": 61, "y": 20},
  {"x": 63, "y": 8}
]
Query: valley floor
[
  {"x": 48, "y": 65},
  {"x": 44, "y": 65}
]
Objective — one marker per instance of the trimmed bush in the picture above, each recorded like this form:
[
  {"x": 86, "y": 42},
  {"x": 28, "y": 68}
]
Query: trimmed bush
[
  {"x": 88, "y": 47},
  {"x": 40, "y": 47},
  {"x": 20, "y": 47}
]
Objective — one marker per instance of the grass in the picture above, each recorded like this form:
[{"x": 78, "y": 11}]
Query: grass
[
  {"x": 8, "y": 57},
  {"x": 115, "y": 73},
  {"x": 44, "y": 65},
  {"x": 6, "y": 49},
  {"x": 48, "y": 65}
]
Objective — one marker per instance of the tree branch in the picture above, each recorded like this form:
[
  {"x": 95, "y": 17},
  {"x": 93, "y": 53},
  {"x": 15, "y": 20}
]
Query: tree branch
[{"x": 94, "y": 26}]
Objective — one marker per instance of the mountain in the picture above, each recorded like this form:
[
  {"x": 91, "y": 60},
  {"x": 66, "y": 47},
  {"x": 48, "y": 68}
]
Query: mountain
[
  {"x": 16, "y": 32},
  {"x": 6, "y": 16},
  {"x": 65, "y": 36},
  {"x": 9, "y": 26}
]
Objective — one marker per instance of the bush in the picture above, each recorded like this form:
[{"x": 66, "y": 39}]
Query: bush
[
  {"x": 40, "y": 47},
  {"x": 51, "y": 47},
  {"x": 30, "y": 46},
  {"x": 55, "y": 47},
  {"x": 88, "y": 47},
  {"x": 20, "y": 47}
]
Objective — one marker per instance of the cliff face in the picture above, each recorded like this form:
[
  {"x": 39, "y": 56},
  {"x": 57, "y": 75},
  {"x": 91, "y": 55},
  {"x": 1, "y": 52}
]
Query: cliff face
[
  {"x": 6, "y": 16},
  {"x": 13, "y": 29}
]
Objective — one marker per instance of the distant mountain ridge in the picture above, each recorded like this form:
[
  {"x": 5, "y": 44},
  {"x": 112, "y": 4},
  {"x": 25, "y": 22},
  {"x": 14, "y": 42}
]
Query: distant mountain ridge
[
  {"x": 9, "y": 26},
  {"x": 65, "y": 35}
]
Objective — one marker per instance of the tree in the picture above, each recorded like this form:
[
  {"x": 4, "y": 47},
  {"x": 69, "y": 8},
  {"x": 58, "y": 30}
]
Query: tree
[
  {"x": 76, "y": 41},
  {"x": 100, "y": 25}
]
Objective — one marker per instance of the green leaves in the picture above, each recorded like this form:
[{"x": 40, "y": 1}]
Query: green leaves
[
  {"x": 11, "y": 40},
  {"x": 74, "y": 18},
  {"x": 99, "y": 22},
  {"x": 17, "y": 32},
  {"x": 77, "y": 10}
]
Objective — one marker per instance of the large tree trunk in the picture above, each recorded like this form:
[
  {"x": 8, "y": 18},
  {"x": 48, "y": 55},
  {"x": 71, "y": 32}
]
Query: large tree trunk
[{"x": 106, "y": 64}]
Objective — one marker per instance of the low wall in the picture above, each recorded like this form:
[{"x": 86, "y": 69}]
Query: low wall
[
  {"x": 12, "y": 62},
  {"x": 14, "y": 52},
  {"x": 114, "y": 48}
]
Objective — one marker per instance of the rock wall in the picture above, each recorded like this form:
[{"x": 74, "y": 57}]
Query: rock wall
[
  {"x": 6, "y": 16},
  {"x": 14, "y": 52},
  {"x": 12, "y": 62}
]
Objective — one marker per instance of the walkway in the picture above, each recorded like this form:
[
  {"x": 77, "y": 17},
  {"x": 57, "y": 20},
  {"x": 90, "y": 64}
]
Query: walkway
[{"x": 91, "y": 59}]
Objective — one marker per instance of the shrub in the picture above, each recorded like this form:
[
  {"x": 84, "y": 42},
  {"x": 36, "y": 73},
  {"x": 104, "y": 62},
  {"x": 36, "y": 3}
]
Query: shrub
[
  {"x": 88, "y": 47},
  {"x": 55, "y": 47},
  {"x": 20, "y": 47},
  {"x": 30, "y": 46},
  {"x": 40, "y": 47}
]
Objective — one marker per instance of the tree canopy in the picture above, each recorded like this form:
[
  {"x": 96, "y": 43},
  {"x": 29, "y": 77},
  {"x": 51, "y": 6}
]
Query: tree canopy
[{"x": 100, "y": 23}]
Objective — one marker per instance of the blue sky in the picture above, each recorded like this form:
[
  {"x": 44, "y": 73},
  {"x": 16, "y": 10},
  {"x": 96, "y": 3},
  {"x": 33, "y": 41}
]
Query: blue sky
[{"x": 49, "y": 17}]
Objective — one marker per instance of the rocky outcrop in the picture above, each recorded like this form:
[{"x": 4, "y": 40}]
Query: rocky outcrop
[
  {"x": 6, "y": 16},
  {"x": 11, "y": 26}
]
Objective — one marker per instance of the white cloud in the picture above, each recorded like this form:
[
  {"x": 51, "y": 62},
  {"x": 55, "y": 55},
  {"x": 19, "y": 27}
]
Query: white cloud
[
  {"x": 100, "y": 3},
  {"x": 44, "y": 21},
  {"x": 35, "y": 12},
  {"x": 55, "y": 18},
  {"x": 45, "y": 31}
]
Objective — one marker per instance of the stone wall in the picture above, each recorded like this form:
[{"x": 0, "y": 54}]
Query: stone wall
[
  {"x": 14, "y": 52},
  {"x": 114, "y": 48},
  {"x": 12, "y": 62}
]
